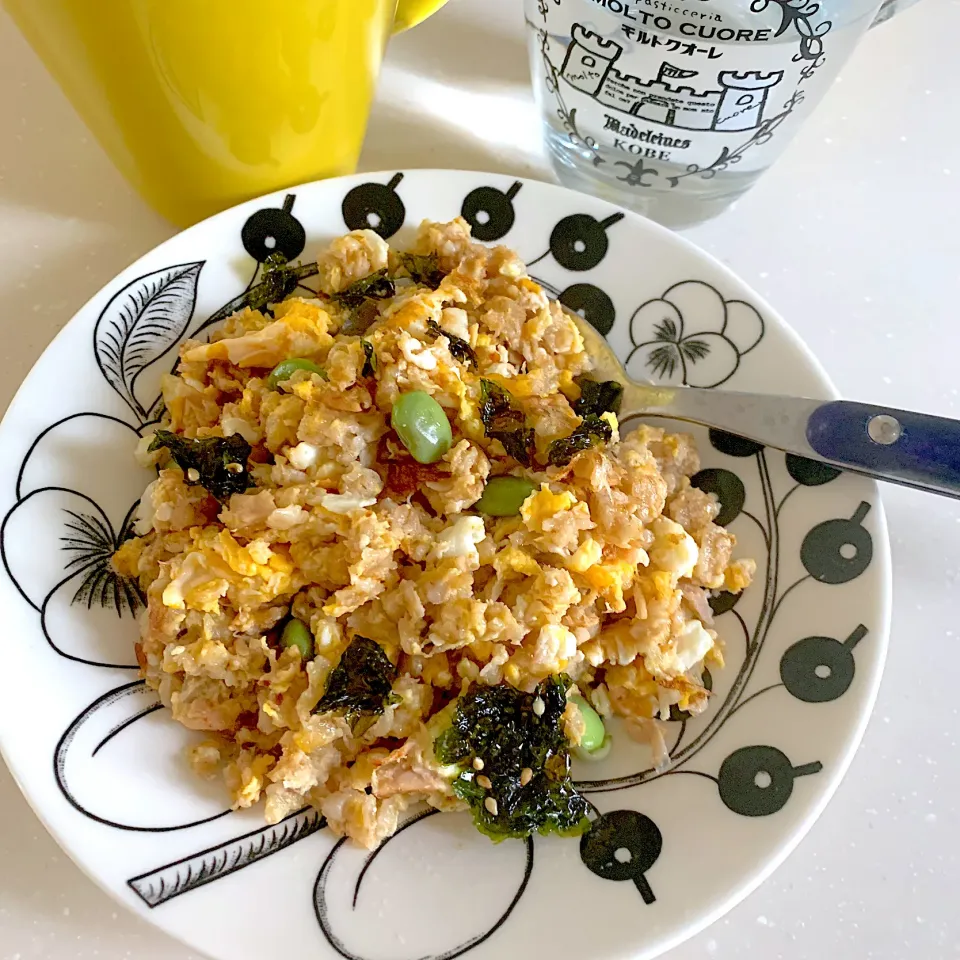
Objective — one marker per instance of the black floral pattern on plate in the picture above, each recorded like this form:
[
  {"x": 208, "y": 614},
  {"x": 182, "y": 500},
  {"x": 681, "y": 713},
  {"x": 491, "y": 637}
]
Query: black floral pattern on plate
[
  {"x": 690, "y": 334},
  {"x": 758, "y": 780}
]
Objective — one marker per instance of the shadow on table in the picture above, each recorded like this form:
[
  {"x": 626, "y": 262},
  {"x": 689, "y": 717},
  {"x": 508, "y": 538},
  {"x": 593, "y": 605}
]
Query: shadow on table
[
  {"x": 48, "y": 159},
  {"x": 66, "y": 212},
  {"x": 457, "y": 45},
  {"x": 48, "y": 905},
  {"x": 399, "y": 138}
]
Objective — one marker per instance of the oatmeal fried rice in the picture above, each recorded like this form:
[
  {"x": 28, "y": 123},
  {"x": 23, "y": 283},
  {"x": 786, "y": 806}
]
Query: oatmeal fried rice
[{"x": 303, "y": 504}]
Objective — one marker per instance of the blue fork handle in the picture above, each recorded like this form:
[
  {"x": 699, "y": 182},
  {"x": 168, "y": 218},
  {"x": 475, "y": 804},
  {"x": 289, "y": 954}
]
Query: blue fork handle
[{"x": 913, "y": 449}]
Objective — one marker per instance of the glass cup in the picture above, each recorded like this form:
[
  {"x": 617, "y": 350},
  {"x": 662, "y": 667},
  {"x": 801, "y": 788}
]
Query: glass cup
[
  {"x": 204, "y": 103},
  {"x": 674, "y": 108}
]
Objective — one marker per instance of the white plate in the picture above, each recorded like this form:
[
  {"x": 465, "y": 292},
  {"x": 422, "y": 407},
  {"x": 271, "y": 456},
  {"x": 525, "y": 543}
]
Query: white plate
[{"x": 104, "y": 769}]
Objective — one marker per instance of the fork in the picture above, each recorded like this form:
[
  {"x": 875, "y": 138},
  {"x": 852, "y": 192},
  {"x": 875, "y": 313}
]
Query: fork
[{"x": 899, "y": 446}]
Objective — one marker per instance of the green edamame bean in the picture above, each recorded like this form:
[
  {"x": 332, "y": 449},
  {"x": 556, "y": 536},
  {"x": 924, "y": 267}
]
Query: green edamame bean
[
  {"x": 594, "y": 732},
  {"x": 297, "y": 634},
  {"x": 422, "y": 426},
  {"x": 285, "y": 369},
  {"x": 503, "y": 496}
]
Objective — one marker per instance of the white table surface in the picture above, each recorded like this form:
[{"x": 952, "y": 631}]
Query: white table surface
[{"x": 853, "y": 236}]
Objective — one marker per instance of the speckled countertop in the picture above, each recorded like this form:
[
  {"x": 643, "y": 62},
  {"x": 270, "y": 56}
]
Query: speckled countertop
[{"x": 865, "y": 210}]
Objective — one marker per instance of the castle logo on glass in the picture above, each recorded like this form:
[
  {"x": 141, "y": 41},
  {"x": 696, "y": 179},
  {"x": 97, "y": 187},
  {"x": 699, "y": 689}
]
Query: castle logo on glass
[{"x": 675, "y": 107}]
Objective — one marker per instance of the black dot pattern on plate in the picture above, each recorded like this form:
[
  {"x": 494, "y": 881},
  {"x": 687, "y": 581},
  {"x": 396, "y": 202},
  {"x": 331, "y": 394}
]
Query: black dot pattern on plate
[
  {"x": 274, "y": 230},
  {"x": 592, "y": 304},
  {"x": 580, "y": 242},
  {"x": 732, "y": 445},
  {"x": 623, "y": 845},
  {"x": 375, "y": 206},
  {"x": 837, "y": 551},
  {"x": 820, "y": 669},
  {"x": 490, "y": 212},
  {"x": 810, "y": 473},
  {"x": 758, "y": 781},
  {"x": 728, "y": 489}
]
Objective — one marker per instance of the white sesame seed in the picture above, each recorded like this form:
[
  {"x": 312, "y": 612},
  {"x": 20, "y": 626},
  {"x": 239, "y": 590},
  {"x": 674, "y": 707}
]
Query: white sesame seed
[
  {"x": 484, "y": 782},
  {"x": 526, "y": 775},
  {"x": 539, "y": 706},
  {"x": 193, "y": 475},
  {"x": 477, "y": 763},
  {"x": 234, "y": 468},
  {"x": 491, "y": 806}
]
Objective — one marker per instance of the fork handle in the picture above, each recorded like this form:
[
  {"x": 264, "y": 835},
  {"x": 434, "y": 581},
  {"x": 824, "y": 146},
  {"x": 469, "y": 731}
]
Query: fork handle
[
  {"x": 899, "y": 446},
  {"x": 912, "y": 449}
]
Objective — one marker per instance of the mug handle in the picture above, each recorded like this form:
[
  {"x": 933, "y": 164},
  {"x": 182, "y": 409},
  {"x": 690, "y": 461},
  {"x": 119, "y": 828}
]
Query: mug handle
[{"x": 412, "y": 12}]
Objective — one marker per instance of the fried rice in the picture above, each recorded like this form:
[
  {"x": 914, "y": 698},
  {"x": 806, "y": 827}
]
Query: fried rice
[{"x": 603, "y": 577}]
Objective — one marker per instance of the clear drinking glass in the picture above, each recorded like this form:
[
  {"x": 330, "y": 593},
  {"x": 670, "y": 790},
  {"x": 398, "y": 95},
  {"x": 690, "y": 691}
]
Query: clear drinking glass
[{"x": 674, "y": 108}]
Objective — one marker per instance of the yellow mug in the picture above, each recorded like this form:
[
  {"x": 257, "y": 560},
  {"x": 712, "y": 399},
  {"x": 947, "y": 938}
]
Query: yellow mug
[{"x": 204, "y": 103}]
